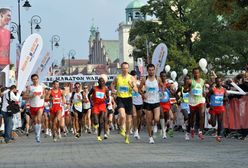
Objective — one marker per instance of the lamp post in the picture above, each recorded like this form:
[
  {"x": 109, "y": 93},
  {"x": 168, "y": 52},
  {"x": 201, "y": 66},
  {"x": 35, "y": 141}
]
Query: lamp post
[
  {"x": 71, "y": 55},
  {"x": 13, "y": 30},
  {"x": 55, "y": 41},
  {"x": 36, "y": 19},
  {"x": 27, "y": 6}
]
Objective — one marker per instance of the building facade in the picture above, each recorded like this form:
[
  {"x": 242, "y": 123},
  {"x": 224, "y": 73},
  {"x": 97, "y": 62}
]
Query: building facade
[{"x": 133, "y": 13}]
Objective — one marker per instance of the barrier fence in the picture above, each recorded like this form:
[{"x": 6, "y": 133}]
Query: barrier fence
[{"x": 236, "y": 115}]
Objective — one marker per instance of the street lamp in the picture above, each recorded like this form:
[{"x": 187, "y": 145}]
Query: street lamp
[
  {"x": 35, "y": 20},
  {"x": 26, "y": 6},
  {"x": 13, "y": 30},
  {"x": 55, "y": 41},
  {"x": 71, "y": 55}
]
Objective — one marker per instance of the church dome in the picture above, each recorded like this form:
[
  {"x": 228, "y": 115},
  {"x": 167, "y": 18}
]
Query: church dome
[{"x": 135, "y": 4}]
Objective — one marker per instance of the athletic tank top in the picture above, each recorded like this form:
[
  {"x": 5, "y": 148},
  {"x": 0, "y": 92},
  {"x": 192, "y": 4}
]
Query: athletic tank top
[
  {"x": 123, "y": 88},
  {"x": 77, "y": 103},
  {"x": 86, "y": 105},
  {"x": 152, "y": 91},
  {"x": 217, "y": 98},
  {"x": 184, "y": 99},
  {"x": 137, "y": 98},
  {"x": 99, "y": 95},
  {"x": 36, "y": 101},
  {"x": 196, "y": 93},
  {"x": 56, "y": 97}
]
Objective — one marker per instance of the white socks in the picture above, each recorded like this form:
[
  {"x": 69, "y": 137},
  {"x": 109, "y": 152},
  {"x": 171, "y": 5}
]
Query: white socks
[{"x": 37, "y": 130}]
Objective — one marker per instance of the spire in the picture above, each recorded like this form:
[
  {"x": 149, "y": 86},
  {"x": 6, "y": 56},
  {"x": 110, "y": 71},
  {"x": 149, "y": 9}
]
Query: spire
[{"x": 93, "y": 30}]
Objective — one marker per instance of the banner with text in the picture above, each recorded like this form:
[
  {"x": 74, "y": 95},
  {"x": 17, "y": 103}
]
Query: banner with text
[
  {"x": 77, "y": 78},
  {"x": 29, "y": 54},
  {"x": 159, "y": 58}
]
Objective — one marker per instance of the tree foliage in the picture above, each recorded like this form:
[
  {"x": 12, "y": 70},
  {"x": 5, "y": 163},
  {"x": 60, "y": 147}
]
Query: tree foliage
[{"x": 192, "y": 29}]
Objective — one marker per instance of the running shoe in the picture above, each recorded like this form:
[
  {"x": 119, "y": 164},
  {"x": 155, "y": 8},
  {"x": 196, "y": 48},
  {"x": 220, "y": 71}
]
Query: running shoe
[
  {"x": 59, "y": 137},
  {"x": 123, "y": 132},
  {"x": 77, "y": 135},
  {"x": 187, "y": 136},
  {"x": 89, "y": 131},
  {"x": 99, "y": 139},
  {"x": 200, "y": 135},
  {"x": 151, "y": 140},
  {"x": 50, "y": 133},
  {"x": 170, "y": 132},
  {"x": 136, "y": 135},
  {"x": 131, "y": 131},
  {"x": 164, "y": 135},
  {"x": 127, "y": 139},
  {"x": 105, "y": 136},
  {"x": 37, "y": 139}
]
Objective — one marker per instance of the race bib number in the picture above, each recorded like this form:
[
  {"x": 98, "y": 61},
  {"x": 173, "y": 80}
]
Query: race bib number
[
  {"x": 135, "y": 94},
  {"x": 123, "y": 89},
  {"x": 165, "y": 98},
  {"x": 184, "y": 106},
  {"x": 100, "y": 95},
  {"x": 197, "y": 92},
  {"x": 185, "y": 95},
  {"x": 217, "y": 100},
  {"x": 78, "y": 104},
  {"x": 151, "y": 89}
]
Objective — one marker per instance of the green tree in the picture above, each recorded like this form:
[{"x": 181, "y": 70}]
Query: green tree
[
  {"x": 172, "y": 26},
  {"x": 194, "y": 29},
  {"x": 220, "y": 40}
]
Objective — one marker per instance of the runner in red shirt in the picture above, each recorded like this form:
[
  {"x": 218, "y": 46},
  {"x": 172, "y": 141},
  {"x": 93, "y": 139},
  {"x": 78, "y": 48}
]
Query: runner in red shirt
[
  {"x": 56, "y": 96},
  {"x": 99, "y": 94},
  {"x": 216, "y": 97}
]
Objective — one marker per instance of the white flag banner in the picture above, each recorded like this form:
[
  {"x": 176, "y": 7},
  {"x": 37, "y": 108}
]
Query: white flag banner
[
  {"x": 29, "y": 55},
  {"x": 239, "y": 92},
  {"x": 159, "y": 58},
  {"x": 43, "y": 58},
  {"x": 43, "y": 71},
  {"x": 6, "y": 74}
]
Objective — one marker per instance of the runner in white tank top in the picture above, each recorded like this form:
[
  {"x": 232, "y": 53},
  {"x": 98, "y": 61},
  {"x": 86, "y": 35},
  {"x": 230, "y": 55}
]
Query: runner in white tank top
[
  {"x": 152, "y": 92},
  {"x": 137, "y": 108},
  {"x": 151, "y": 99}
]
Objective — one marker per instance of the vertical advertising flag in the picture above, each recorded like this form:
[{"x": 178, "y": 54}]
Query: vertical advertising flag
[
  {"x": 159, "y": 58},
  {"x": 43, "y": 72},
  {"x": 140, "y": 64},
  {"x": 29, "y": 55},
  {"x": 5, "y": 76},
  {"x": 42, "y": 61},
  {"x": 5, "y": 17}
]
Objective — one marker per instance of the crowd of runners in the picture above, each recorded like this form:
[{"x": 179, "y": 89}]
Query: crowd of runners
[{"x": 127, "y": 105}]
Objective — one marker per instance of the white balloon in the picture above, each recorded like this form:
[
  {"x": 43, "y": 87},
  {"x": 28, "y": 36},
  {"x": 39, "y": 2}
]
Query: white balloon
[
  {"x": 167, "y": 68},
  {"x": 105, "y": 77},
  {"x": 185, "y": 71},
  {"x": 203, "y": 63},
  {"x": 205, "y": 70},
  {"x": 173, "y": 75}
]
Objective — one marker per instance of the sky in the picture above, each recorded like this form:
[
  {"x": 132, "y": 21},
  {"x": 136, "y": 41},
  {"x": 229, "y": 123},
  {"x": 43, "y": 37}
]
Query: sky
[{"x": 71, "y": 20}]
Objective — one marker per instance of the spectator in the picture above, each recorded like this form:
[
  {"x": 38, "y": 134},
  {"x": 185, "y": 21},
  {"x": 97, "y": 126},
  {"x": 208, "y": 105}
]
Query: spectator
[{"x": 8, "y": 123}]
